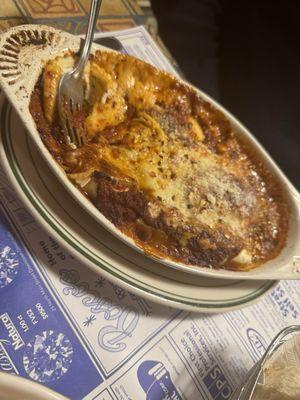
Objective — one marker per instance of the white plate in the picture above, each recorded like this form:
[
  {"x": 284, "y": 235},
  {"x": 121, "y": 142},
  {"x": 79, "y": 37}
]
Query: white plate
[
  {"x": 23, "y": 51},
  {"x": 13, "y": 387},
  {"x": 68, "y": 222}
]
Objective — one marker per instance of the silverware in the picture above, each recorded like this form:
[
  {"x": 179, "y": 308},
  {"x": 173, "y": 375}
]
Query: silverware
[
  {"x": 256, "y": 374},
  {"x": 111, "y": 42},
  {"x": 71, "y": 90}
]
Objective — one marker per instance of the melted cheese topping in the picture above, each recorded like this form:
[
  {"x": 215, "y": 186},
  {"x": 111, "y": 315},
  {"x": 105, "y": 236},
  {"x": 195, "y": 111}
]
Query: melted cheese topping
[{"x": 176, "y": 149}]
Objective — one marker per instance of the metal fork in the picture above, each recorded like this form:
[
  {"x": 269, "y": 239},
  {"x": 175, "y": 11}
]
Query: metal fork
[
  {"x": 245, "y": 391},
  {"x": 71, "y": 90}
]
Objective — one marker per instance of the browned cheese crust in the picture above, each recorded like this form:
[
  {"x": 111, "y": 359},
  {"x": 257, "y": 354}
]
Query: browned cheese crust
[{"x": 166, "y": 168}]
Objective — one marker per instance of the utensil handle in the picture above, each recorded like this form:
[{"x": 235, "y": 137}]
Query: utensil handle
[{"x": 94, "y": 12}]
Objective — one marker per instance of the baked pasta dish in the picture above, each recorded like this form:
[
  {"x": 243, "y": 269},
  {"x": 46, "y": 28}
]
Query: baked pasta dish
[{"x": 164, "y": 166}]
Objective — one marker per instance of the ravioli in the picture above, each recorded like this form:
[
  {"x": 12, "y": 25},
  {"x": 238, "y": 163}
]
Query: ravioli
[{"x": 164, "y": 166}]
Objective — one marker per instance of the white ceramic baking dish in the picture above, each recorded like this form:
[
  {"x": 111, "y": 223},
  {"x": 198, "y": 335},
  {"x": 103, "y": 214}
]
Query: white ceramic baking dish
[{"x": 23, "y": 53}]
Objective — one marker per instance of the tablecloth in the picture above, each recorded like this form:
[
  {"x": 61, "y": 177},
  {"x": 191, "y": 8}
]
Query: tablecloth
[{"x": 72, "y": 15}]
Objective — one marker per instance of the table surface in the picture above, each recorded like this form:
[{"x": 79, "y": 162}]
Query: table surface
[{"x": 72, "y": 15}]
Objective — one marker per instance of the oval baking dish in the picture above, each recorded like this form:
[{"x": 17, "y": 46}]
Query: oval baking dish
[{"x": 24, "y": 51}]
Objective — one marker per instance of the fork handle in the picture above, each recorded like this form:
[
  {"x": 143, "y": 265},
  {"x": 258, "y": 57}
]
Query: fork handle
[{"x": 85, "y": 50}]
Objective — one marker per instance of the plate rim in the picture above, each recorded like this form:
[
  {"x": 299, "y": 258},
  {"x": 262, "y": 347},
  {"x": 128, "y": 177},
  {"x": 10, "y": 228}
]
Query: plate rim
[
  {"x": 27, "y": 387},
  {"x": 191, "y": 305}
]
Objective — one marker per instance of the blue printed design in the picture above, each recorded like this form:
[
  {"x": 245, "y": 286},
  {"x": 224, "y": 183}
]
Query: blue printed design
[
  {"x": 257, "y": 342},
  {"x": 89, "y": 320},
  {"x": 9, "y": 266},
  {"x": 123, "y": 320},
  {"x": 217, "y": 384},
  {"x": 156, "y": 381},
  {"x": 48, "y": 356},
  {"x": 31, "y": 342}
]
